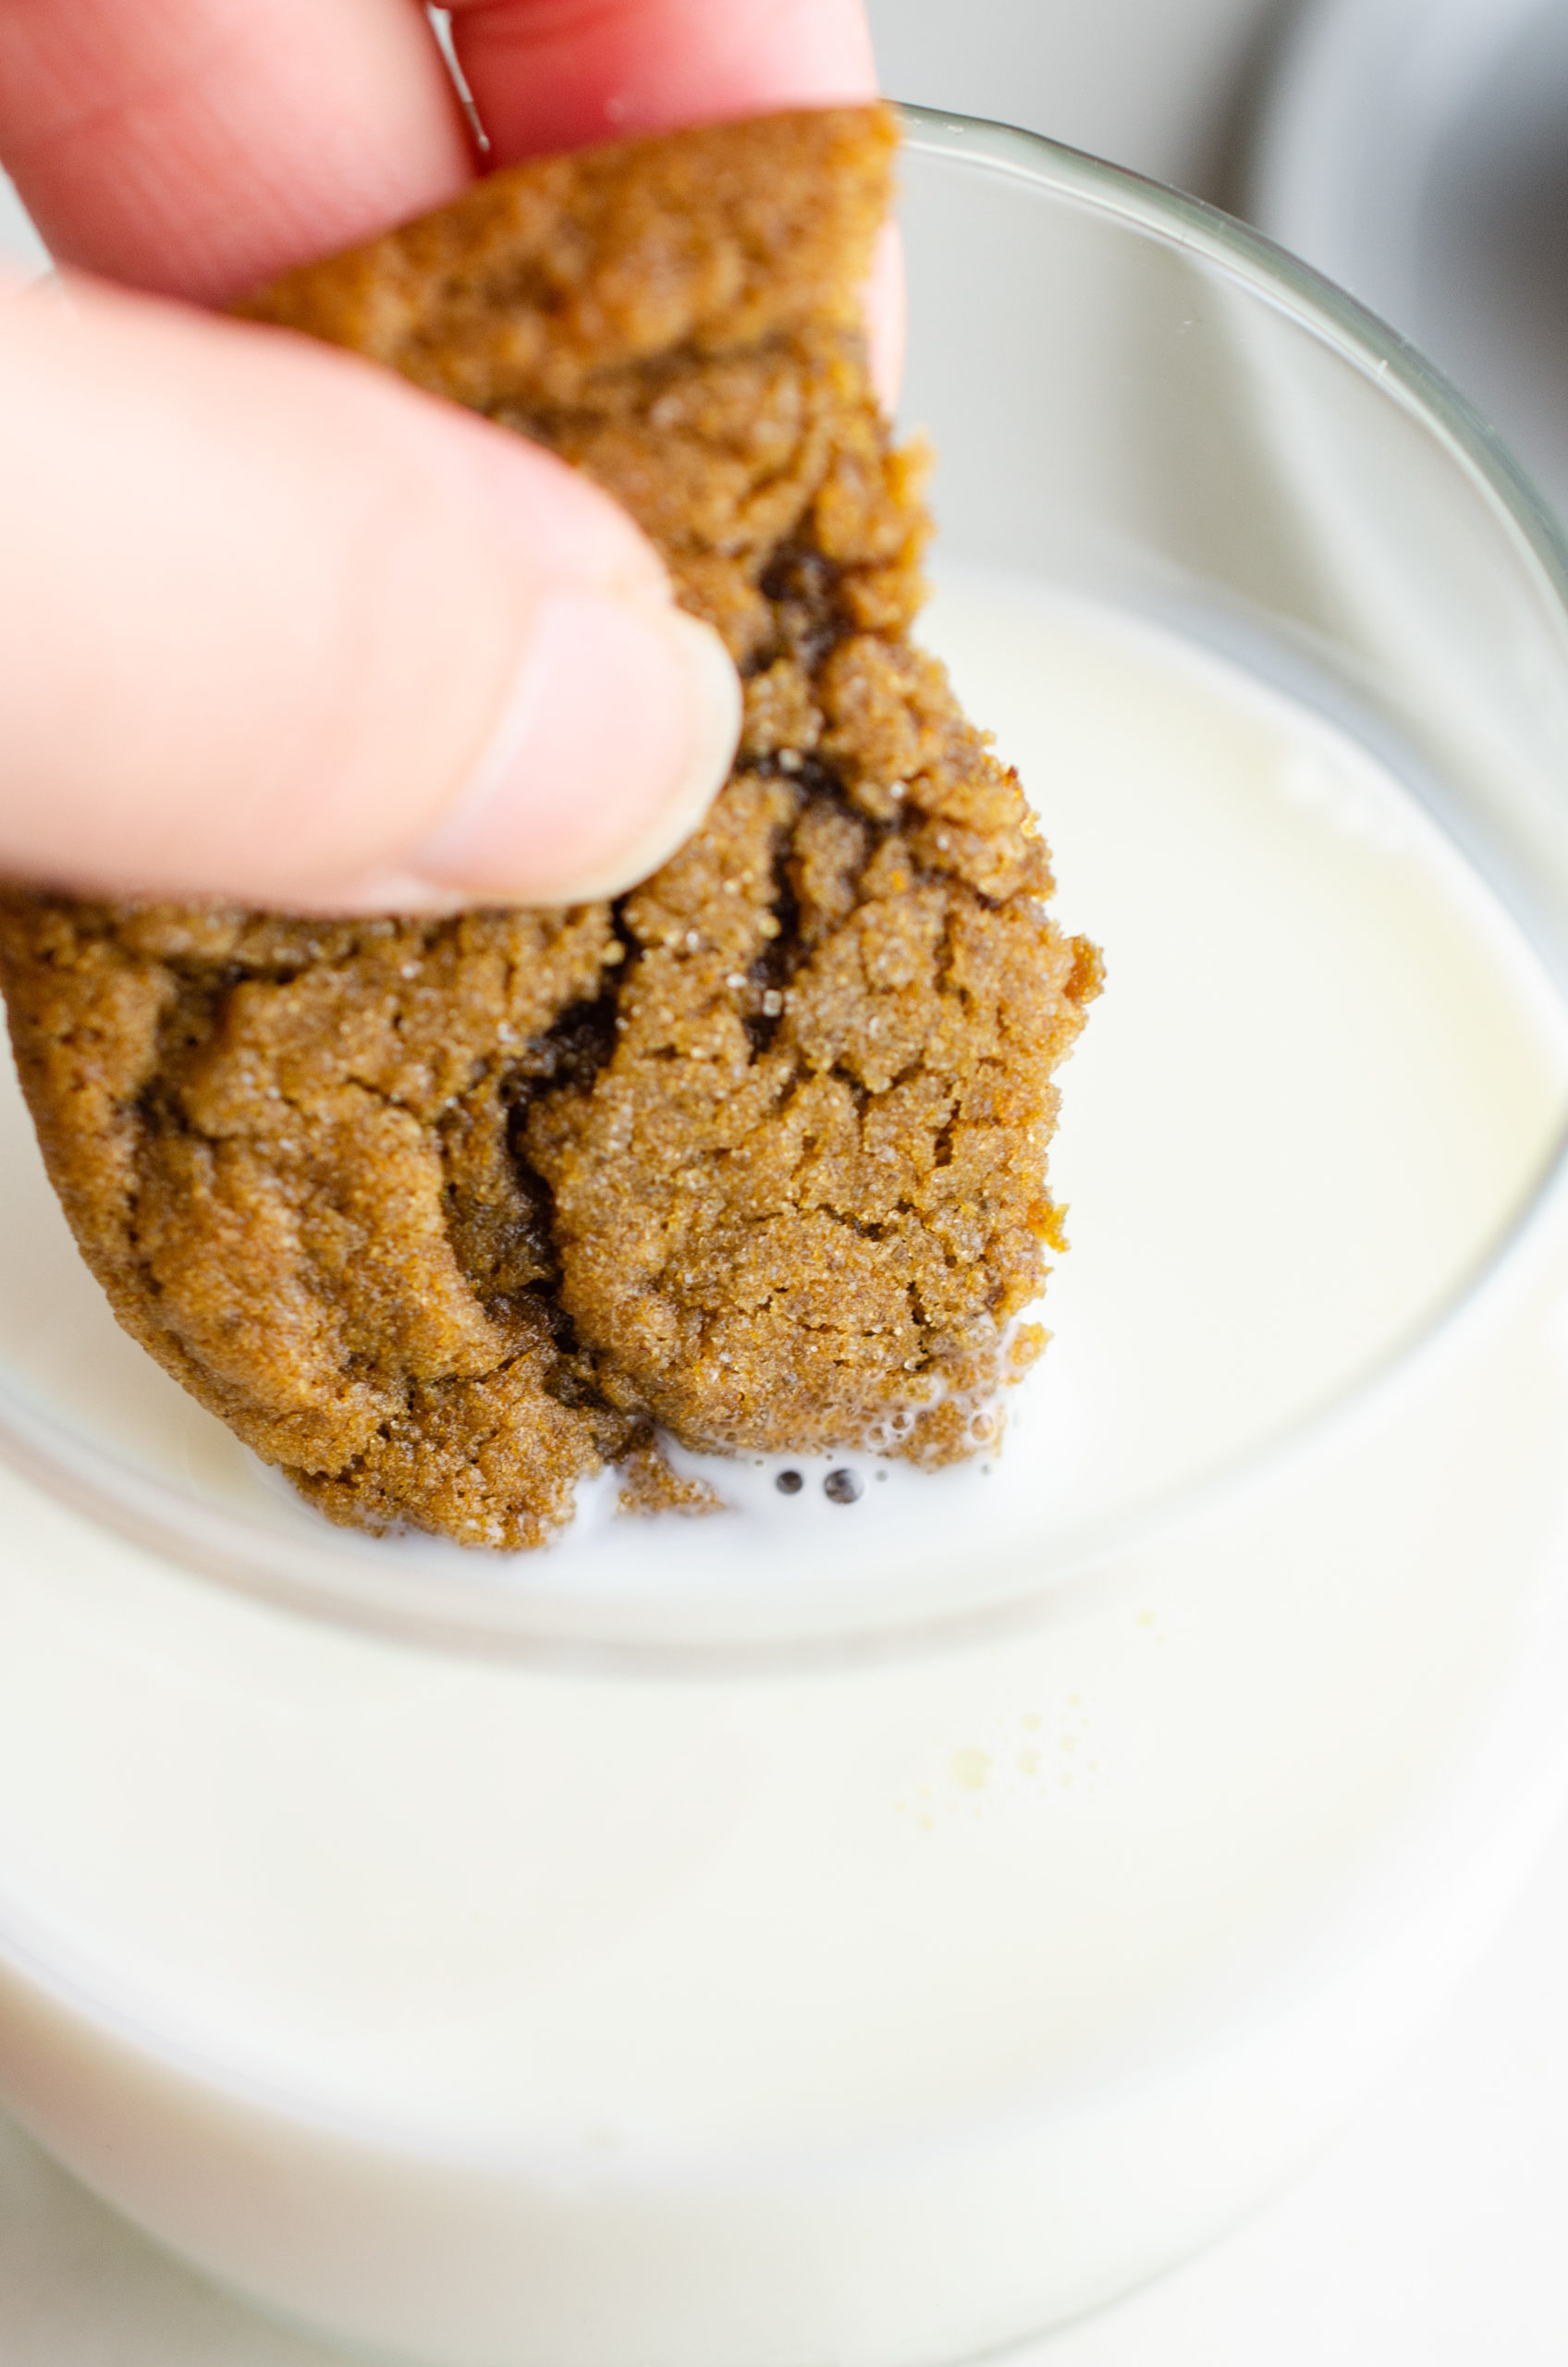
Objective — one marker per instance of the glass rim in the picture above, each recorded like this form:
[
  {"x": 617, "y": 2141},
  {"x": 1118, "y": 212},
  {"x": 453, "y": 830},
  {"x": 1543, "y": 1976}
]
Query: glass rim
[
  {"x": 342, "y": 1588},
  {"x": 1275, "y": 273}
]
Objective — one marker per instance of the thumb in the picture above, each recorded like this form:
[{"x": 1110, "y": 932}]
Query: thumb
[{"x": 277, "y": 628}]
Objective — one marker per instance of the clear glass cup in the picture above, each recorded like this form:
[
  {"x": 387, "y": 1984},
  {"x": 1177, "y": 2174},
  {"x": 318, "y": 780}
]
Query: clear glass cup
[{"x": 551, "y": 1969}]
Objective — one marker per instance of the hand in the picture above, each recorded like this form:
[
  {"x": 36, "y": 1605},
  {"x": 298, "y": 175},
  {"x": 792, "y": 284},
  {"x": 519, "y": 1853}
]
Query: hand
[{"x": 232, "y": 566}]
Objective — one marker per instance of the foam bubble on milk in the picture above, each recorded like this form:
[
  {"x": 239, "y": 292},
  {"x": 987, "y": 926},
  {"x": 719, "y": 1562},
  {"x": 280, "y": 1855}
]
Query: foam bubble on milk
[{"x": 1323, "y": 1072}]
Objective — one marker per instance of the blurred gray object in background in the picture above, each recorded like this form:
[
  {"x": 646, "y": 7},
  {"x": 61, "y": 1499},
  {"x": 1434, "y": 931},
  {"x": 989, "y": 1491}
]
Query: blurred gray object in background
[
  {"x": 1416, "y": 150},
  {"x": 1155, "y": 87}
]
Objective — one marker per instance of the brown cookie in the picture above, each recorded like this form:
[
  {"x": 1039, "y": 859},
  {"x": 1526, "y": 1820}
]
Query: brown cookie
[{"x": 439, "y": 1215}]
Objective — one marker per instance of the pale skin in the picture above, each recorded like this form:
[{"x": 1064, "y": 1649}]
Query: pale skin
[{"x": 272, "y": 626}]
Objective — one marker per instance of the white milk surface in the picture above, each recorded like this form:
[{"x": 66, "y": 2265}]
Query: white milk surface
[{"x": 870, "y": 2011}]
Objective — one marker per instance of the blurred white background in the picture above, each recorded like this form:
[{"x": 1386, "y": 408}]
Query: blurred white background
[{"x": 1431, "y": 2235}]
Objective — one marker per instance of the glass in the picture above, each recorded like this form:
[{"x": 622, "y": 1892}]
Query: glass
[{"x": 500, "y": 1968}]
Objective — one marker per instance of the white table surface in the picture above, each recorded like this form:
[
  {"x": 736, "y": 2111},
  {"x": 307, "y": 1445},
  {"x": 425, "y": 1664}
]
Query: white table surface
[{"x": 1431, "y": 2235}]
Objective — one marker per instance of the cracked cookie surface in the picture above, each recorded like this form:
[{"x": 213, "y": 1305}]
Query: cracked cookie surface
[{"x": 441, "y": 1215}]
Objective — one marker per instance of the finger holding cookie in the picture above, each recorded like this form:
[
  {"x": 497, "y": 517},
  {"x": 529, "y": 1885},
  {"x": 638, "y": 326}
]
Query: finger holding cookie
[{"x": 271, "y": 628}]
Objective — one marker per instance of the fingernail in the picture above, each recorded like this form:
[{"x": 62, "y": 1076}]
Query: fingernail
[{"x": 617, "y": 738}]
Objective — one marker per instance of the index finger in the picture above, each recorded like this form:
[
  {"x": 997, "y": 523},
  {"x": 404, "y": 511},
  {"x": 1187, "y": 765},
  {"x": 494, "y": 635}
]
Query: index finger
[{"x": 548, "y": 74}]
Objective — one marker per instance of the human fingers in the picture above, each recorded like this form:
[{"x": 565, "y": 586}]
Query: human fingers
[
  {"x": 277, "y": 627},
  {"x": 551, "y": 74},
  {"x": 886, "y": 317},
  {"x": 198, "y": 147}
]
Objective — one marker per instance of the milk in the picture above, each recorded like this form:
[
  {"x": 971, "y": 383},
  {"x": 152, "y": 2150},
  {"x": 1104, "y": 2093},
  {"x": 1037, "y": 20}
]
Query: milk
[{"x": 964, "y": 1898}]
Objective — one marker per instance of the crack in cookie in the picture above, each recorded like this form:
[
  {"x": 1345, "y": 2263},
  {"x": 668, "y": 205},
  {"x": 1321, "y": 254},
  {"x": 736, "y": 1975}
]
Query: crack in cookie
[{"x": 442, "y": 1215}]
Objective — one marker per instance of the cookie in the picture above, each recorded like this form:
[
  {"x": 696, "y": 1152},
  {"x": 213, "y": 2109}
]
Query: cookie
[{"x": 441, "y": 1215}]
